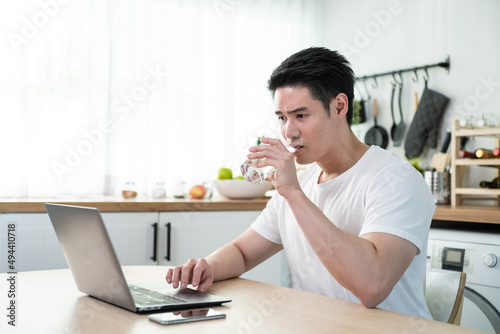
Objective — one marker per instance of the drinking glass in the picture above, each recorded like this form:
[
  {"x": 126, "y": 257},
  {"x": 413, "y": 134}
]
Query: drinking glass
[{"x": 258, "y": 174}]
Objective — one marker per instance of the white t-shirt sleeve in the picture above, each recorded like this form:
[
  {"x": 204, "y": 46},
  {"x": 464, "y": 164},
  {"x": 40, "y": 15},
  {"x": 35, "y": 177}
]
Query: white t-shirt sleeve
[
  {"x": 267, "y": 222},
  {"x": 395, "y": 205}
]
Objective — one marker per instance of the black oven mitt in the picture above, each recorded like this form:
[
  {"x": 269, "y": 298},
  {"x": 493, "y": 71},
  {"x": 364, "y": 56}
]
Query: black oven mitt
[{"x": 426, "y": 124}]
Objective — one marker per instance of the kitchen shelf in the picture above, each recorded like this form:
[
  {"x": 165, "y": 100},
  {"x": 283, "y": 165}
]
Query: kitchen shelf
[
  {"x": 466, "y": 132},
  {"x": 478, "y": 162},
  {"x": 477, "y": 191},
  {"x": 458, "y": 192}
]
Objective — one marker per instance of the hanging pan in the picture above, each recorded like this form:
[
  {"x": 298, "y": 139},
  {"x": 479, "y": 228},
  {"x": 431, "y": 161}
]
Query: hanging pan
[{"x": 376, "y": 135}]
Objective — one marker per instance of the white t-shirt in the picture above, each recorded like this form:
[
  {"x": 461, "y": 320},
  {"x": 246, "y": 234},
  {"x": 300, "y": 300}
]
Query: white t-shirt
[{"x": 380, "y": 193}]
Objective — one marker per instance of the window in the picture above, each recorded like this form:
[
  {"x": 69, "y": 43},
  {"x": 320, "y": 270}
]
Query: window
[{"x": 99, "y": 93}]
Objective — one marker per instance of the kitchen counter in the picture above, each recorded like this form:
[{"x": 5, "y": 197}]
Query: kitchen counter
[
  {"x": 471, "y": 214},
  {"x": 118, "y": 204}
]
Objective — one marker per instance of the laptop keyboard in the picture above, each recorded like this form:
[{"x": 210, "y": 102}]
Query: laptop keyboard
[{"x": 147, "y": 297}]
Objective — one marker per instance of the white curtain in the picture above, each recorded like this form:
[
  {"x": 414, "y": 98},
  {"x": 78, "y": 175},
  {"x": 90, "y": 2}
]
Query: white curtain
[{"x": 98, "y": 93}]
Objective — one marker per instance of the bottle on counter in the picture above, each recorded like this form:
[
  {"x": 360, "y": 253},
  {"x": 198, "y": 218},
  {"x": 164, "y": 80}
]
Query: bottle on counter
[
  {"x": 482, "y": 153},
  {"x": 493, "y": 184}
]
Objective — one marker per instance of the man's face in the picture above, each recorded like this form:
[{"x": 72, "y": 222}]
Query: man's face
[{"x": 305, "y": 122}]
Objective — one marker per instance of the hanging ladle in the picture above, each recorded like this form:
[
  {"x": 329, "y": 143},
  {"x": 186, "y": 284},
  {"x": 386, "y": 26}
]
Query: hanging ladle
[
  {"x": 362, "y": 109},
  {"x": 394, "y": 125},
  {"x": 401, "y": 127},
  {"x": 368, "y": 102}
]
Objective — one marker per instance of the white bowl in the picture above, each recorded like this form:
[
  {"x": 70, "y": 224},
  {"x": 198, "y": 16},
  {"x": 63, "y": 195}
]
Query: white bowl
[{"x": 241, "y": 188}]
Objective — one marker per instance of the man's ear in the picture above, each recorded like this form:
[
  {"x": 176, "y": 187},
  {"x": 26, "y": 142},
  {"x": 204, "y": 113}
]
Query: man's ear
[{"x": 340, "y": 105}]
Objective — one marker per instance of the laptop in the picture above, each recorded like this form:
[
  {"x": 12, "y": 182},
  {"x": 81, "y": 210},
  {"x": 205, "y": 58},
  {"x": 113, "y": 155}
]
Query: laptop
[{"x": 97, "y": 272}]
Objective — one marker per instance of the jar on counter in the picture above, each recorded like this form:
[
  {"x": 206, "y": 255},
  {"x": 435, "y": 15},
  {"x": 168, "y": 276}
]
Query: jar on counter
[
  {"x": 159, "y": 191},
  {"x": 179, "y": 190},
  {"x": 439, "y": 185}
]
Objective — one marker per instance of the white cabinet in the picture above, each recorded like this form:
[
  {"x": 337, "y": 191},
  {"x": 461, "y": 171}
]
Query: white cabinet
[
  {"x": 140, "y": 238},
  {"x": 36, "y": 245},
  {"x": 196, "y": 234},
  {"x": 133, "y": 235}
]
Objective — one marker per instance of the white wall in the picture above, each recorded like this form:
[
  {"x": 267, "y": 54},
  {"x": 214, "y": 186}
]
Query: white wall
[{"x": 384, "y": 35}]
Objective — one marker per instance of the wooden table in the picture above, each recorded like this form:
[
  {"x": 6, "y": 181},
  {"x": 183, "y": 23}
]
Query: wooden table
[{"x": 49, "y": 302}]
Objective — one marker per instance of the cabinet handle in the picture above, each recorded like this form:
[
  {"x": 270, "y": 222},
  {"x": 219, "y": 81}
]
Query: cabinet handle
[
  {"x": 168, "y": 226},
  {"x": 155, "y": 231}
]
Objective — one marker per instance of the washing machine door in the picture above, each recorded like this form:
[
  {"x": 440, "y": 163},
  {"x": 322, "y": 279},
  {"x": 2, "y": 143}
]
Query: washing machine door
[{"x": 479, "y": 312}]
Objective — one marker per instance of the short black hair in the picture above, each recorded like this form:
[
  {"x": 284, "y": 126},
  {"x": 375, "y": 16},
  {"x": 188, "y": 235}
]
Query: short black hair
[{"x": 324, "y": 72}]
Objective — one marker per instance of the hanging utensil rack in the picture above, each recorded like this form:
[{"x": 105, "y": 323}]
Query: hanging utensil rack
[{"x": 445, "y": 65}]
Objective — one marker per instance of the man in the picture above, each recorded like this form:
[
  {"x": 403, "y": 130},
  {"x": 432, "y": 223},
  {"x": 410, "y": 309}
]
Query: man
[{"x": 354, "y": 224}]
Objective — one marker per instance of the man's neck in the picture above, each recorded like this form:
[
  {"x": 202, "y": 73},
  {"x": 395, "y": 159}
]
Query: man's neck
[{"x": 342, "y": 158}]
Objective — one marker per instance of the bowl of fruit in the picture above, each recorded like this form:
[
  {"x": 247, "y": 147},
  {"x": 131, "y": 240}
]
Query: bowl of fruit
[{"x": 238, "y": 187}]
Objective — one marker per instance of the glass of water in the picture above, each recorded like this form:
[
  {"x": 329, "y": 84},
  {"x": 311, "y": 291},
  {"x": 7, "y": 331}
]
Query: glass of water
[{"x": 258, "y": 174}]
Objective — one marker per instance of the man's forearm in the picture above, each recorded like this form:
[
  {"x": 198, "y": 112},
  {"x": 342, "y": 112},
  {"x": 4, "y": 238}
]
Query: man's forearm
[{"x": 226, "y": 262}]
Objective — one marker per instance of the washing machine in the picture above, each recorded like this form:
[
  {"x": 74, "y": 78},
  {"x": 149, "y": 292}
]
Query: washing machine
[{"x": 477, "y": 254}]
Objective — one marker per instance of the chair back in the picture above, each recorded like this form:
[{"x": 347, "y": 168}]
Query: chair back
[{"x": 444, "y": 294}]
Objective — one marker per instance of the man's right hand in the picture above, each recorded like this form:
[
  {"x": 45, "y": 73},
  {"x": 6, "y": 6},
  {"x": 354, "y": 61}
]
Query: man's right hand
[
  {"x": 231, "y": 260},
  {"x": 198, "y": 273}
]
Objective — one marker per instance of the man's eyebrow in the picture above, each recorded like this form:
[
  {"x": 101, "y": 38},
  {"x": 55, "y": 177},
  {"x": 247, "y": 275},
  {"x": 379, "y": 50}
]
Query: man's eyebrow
[{"x": 296, "y": 110}]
